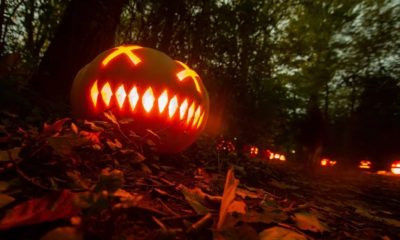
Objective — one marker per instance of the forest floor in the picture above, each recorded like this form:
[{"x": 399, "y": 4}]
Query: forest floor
[{"x": 88, "y": 180}]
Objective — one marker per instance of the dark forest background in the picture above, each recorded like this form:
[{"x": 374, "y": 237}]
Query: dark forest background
[{"x": 307, "y": 77}]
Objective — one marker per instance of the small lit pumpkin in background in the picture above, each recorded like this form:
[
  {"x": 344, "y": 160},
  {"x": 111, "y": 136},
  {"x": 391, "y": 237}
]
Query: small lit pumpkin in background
[
  {"x": 251, "y": 150},
  {"x": 365, "y": 165},
  {"x": 326, "y": 162},
  {"x": 225, "y": 146},
  {"x": 274, "y": 156},
  {"x": 395, "y": 167},
  {"x": 159, "y": 93}
]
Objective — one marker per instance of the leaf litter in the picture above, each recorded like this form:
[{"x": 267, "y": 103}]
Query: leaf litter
[{"x": 90, "y": 180}]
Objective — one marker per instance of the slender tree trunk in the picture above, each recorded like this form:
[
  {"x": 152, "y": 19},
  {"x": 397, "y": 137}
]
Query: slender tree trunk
[
  {"x": 2, "y": 24},
  {"x": 87, "y": 28}
]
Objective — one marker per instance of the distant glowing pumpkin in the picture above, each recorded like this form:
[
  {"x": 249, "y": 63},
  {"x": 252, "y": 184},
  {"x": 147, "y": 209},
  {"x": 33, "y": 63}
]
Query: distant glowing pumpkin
[
  {"x": 253, "y": 152},
  {"x": 365, "y": 165},
  {"x": 159, "y": 93},
  {"x": 326, "y": 162},
  {"x": 225, "y": 146},
  {"x": 275, "y": 156},
  {"x": 395, "y": 167}
]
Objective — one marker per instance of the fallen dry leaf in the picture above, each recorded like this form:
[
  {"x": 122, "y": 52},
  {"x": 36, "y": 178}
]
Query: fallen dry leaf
[
  {"x": 280, "y": 233},
  {"x": 309, "y": 221},
  {"x": 57, "y": 205},
  {"x": 228, "y": 197}
]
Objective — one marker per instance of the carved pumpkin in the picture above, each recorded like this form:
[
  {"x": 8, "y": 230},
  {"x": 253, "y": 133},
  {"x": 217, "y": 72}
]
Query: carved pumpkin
[
  {"x": 159, "y": 93},
  {"x": 395, "y": 168},
  {"x": 365, "y": 165},
  {"x": 326, "y": 162},
  {"x": 225, "y": 146},
  {"x": 253, "y": 151}
]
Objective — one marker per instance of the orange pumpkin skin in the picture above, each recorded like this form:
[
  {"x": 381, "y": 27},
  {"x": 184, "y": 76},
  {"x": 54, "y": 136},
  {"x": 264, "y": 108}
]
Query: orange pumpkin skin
[{"x": 157, "y": 92}]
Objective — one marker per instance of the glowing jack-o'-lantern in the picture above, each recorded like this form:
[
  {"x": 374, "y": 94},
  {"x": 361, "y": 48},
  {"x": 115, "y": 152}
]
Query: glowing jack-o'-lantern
[
  {"x": 225, "y": 146},
  {"x": 325, "y": 162},
  {"x": 365, "y": 165},
  {"x": 253, "y": 151},
  {"x": 276, "y": 156},
  {"x": 395, "y": 167},
  {"x": 159, "y": 93}
]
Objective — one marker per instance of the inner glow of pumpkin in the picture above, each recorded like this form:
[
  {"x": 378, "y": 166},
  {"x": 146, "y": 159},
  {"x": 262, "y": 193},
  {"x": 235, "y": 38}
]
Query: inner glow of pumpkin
[
  {"x": 196, "y": 116},
  {"x": 126, "y": 50},
  {"x": 182, "y": 109},
  {"x": 192, "y": 115},
  {"x": 148, "y": 100},
  {"x": 106, "y": 94},
  {"x": 162, "y": 101},
  {"x": 254, "y": 150},
  {"x": 365, "y": 164},
  {"x": 200, "y": 120},
  {"x": 133, "y": 98},
  {"x": 94, "y": 93},
  {"x": 173, "y": 105},
  {"x": 187, "y": 72},
  {"x": 395, "y": 167},
  {"x": 120, "y": 95},
  {"x": 324, "y": 162}
]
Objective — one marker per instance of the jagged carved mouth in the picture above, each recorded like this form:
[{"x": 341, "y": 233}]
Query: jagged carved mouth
[{"x": 172, "y": 106}]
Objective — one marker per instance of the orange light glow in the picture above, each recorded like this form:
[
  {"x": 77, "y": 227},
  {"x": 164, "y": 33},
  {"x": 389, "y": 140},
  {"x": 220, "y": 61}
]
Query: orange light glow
[
  {"x": 324, "y": 162},
  {"x": 332, "y": 163},
  {"x": 106, "y": 94},
  {"x": 148, "y": 100},
  {"x": 190, "y": 112},
  {"x": 395, "y": 168},
  {"x": 162, "y": 101},
  {"x": 94, "y": 93},
  {"x": 253, "y": 151},
  {"x": 187, "y": 72},
  {"x": 173, "y": 105},
  {"x": 120, "y": 95},
  {"x": 200, "y": 120},
  {"x": 123, "y": 50},
  {"x": 282, "y": 158},
  {"x": 271, "y": 156},
  {"x": 133, "y": 98},
  {"x": 196, "y": 116},
  {"x": 182, "y": 109},
  {"x": 365, "y": 164},
  {"x": 277, "y": 156}
]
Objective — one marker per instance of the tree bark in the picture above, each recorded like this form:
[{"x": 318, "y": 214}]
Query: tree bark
[{"x": 86, "y": 29}]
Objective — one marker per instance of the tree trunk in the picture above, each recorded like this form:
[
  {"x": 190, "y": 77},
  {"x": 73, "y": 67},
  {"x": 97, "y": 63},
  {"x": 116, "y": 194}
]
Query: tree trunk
[
  {"x": 2, "y": 22},
  {"x": 86, "y": 29}
]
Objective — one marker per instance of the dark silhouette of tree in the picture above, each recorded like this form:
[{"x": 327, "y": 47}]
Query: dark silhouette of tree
[{"x": 87, "y": 28}]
